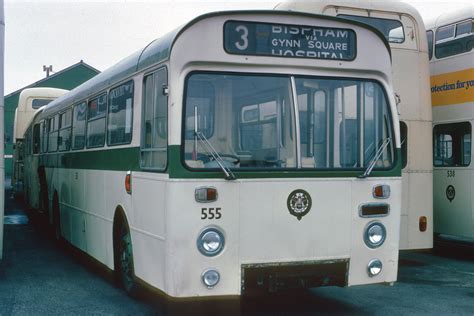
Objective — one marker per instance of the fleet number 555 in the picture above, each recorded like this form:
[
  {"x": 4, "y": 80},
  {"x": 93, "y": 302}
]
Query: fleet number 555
[{"x": 211, "y": 213}]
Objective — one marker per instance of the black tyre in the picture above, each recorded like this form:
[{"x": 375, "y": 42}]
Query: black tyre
[
  {"x": 125, "y": 265},
  {"x": 56, "y": 218}
]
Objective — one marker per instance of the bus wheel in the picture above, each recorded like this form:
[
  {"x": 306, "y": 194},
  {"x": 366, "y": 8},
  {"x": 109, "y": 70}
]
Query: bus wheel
[
  {"x": 125, "y": 256},
  {"x": 56, "y": 218}
]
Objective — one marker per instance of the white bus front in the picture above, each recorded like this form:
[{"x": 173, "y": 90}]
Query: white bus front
[{"x": 283, "y": 159}]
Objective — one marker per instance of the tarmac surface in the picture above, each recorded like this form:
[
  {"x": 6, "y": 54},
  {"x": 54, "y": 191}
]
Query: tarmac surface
[{"x": 40, "y": 277}]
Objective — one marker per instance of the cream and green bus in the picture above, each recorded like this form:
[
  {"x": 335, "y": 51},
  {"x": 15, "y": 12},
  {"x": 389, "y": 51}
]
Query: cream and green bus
[
  {"x": 451, "y": 42},
  {"x": 30, "y": 102},
  {"x": 402, "y": 26},
  {"x": 246, "y": 152}
]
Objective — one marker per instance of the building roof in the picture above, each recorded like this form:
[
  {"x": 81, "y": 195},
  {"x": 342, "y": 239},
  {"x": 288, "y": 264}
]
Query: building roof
[{"x": 43, "y": 82}]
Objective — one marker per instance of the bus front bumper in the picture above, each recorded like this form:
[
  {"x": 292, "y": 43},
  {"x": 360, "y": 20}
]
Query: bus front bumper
[{"x": 278, "y": 277}]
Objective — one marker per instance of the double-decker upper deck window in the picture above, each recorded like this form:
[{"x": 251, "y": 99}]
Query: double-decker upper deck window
[
  {"x": 452, "y": 145},
  {"x": 444, "y": 33},
  {"x": 391, "y": 29},
  {"x": 155, "y": 122},
  {"x": 79, "y": 126},
  {"x": 464, "y": 28},
  {"x": 37, "y": 103},
  {"x": 64, "y": 140},
  {"x": 97, "y": 108},
  {"x": 454, "y": 39},
  {"x": 119, "y": 123}
]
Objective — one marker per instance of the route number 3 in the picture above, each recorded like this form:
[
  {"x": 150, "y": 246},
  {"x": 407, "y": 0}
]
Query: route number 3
[
  {"x": 211, "y": 213},
  {"x": 244, "y": 37}
]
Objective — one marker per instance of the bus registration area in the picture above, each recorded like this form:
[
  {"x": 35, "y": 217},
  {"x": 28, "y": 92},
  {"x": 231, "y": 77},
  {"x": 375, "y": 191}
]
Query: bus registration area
[{"x": 264, "y": 39}]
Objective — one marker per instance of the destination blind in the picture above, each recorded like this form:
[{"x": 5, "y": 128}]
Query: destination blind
[{"x": 284, "y": 40}]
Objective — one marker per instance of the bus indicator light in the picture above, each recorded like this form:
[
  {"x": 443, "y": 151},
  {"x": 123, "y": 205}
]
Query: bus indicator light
[
  {"x": 381, "y": 191},
  {"x": 423, "y": 223},
  {"x": 205, "y": 194},
  {"x": 128, "y": 182}
]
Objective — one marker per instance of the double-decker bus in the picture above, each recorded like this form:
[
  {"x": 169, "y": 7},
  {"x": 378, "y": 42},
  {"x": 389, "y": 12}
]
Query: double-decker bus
[
  {"x": 451, "y": 39},
  {"x": 245, "y": 152},
  {"x": 403, "y": 28},
  {"x": 30, "y": 102}
]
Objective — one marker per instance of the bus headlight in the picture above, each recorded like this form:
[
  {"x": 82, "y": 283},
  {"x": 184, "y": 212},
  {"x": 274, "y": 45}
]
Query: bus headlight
[
  {"x": 374, "y": 235},
  {"x": 210, "y": 278},
  {"x": 374, "y": 267},
  {"x": 210, "y": 242}
]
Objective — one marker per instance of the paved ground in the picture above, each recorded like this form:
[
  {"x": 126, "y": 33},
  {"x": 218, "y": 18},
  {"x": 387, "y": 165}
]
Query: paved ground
[{"x": 38, "y": 277}]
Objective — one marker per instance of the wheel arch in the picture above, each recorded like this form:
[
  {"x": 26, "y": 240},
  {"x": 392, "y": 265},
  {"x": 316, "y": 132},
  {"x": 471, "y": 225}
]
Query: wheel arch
[{"x": 120, "y": 219}]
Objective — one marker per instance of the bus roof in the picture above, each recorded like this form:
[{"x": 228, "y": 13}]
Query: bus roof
[
  {"x": 453, "y": 16},
  {"x": 394, "y": 6},
  {"x": 159, "y": 51},
  {"x": 40, "y": 92}
]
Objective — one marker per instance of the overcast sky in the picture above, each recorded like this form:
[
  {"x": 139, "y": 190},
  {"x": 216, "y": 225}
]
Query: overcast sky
[{"x": 61, "y": 33}]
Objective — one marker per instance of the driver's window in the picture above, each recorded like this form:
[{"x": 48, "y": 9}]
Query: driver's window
[{"x": 154, "y": 144}]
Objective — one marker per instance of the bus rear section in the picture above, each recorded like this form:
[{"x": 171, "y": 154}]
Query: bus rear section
[{"x": 29, "y": 102}]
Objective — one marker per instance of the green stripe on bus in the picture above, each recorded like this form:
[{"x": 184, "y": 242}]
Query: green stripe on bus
[
  {"x": 178, "y": 171},
  {"x": 108, "y": 159},
  {"x": 125, "y": 159}
]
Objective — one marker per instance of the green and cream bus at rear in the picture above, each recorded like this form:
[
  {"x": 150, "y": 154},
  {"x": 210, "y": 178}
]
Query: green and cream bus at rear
[
  {"x": 246, "y": 152},
  {"x": 403, "y": 28}
]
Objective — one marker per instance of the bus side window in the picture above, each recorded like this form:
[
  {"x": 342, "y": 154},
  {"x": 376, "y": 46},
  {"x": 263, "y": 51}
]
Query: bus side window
[
  {"x": 53, "y": 133},
  {"x": 119, "y": 123},
  {"x": 79, "y": 126},
  {"x": 96, "y": 110},
  {"x": 36, "y": 138},
  {"x": 452, "y": 145},
  {"x": 43, "y": 138},
  {"x": 64, "y": 141},
  {"x": 258, "y": 123},
  {"x": 154, "y": 142}
]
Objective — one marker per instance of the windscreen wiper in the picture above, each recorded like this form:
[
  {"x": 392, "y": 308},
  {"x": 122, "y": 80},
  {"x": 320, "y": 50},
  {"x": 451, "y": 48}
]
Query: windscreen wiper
[
  {"x": 374, "y": 160},
  {"x": 229, "y": 175}
]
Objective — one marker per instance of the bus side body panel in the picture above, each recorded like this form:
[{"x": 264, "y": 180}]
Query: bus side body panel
[
  {"x": 453, "y": 104},
  {"x": 149, "y": 230}
]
